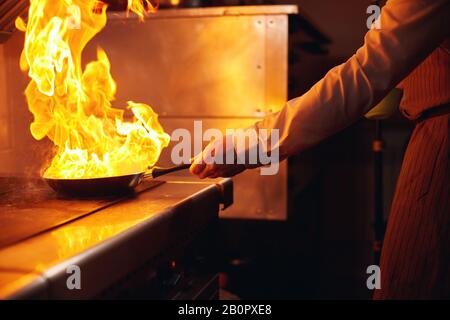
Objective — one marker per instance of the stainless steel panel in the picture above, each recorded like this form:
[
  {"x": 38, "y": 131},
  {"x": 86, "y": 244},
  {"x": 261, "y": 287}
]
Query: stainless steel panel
[
  {"x": 218, "y": 11},
  {"x": 276, "y": 62},
  {"x": 203, "y": 66},
  {"x": 4, "y": 114},
  {"x": 20, "y": 154}
]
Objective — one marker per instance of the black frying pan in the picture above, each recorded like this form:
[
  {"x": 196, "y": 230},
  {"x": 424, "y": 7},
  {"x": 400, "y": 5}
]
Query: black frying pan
[{"x": 107, "y": 186}]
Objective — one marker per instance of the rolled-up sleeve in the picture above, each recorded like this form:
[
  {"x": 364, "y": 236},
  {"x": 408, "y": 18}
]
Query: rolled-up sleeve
[{"x": 410, "y": 31}]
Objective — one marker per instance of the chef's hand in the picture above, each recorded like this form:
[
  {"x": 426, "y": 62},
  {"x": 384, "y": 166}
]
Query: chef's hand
[{"x": 205, "y": 164}]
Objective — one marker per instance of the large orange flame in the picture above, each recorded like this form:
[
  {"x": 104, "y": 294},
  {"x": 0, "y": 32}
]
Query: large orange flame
[{"x": 72, "y": 106}]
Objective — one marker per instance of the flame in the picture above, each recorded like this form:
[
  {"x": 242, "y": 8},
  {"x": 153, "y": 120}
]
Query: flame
[{"x": 72, "y": 106}]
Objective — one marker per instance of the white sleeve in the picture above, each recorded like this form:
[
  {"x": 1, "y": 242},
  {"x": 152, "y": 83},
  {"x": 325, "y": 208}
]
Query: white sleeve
[{"x": 410, "y": 31}]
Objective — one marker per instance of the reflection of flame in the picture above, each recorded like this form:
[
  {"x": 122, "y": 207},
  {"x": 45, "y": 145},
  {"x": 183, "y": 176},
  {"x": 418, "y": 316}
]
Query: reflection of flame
[
  {"x": 72, "y": 106},
  {"x": 73, "y": 240}
]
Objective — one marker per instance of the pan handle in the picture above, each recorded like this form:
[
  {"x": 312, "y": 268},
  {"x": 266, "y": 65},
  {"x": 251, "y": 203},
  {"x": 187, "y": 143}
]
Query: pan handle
[{"x": 158, "y": 172}]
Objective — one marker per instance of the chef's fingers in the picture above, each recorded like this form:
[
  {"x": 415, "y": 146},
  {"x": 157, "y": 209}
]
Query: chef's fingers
[
  {"x": 197, "y": 168},
  {"x": 208, "y": 171},
  {"x": 220, "y": 171},
  {"x": 200, "y": 167}
]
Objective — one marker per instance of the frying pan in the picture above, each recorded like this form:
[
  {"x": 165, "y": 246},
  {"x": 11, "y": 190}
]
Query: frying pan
[{"x": 107, "y": 186}]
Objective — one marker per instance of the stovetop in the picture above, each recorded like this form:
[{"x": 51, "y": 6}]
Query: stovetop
[
  {"x": 29, "y": 207},
  {"x": 108, "y": 239}
]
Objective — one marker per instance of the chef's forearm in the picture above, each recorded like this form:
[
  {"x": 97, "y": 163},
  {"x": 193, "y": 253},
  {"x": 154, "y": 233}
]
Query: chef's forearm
[{"x": 318, "y": 114}]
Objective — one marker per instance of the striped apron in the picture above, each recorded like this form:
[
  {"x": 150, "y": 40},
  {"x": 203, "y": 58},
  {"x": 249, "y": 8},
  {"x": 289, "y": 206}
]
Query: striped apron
[{"x": 415, "y": 260}]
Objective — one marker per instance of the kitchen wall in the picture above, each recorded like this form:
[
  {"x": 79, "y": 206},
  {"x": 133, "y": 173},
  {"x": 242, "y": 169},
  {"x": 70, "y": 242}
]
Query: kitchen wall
[
  {"x": 6, "y": 143},
  {"x": 20, "y": 154}
]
